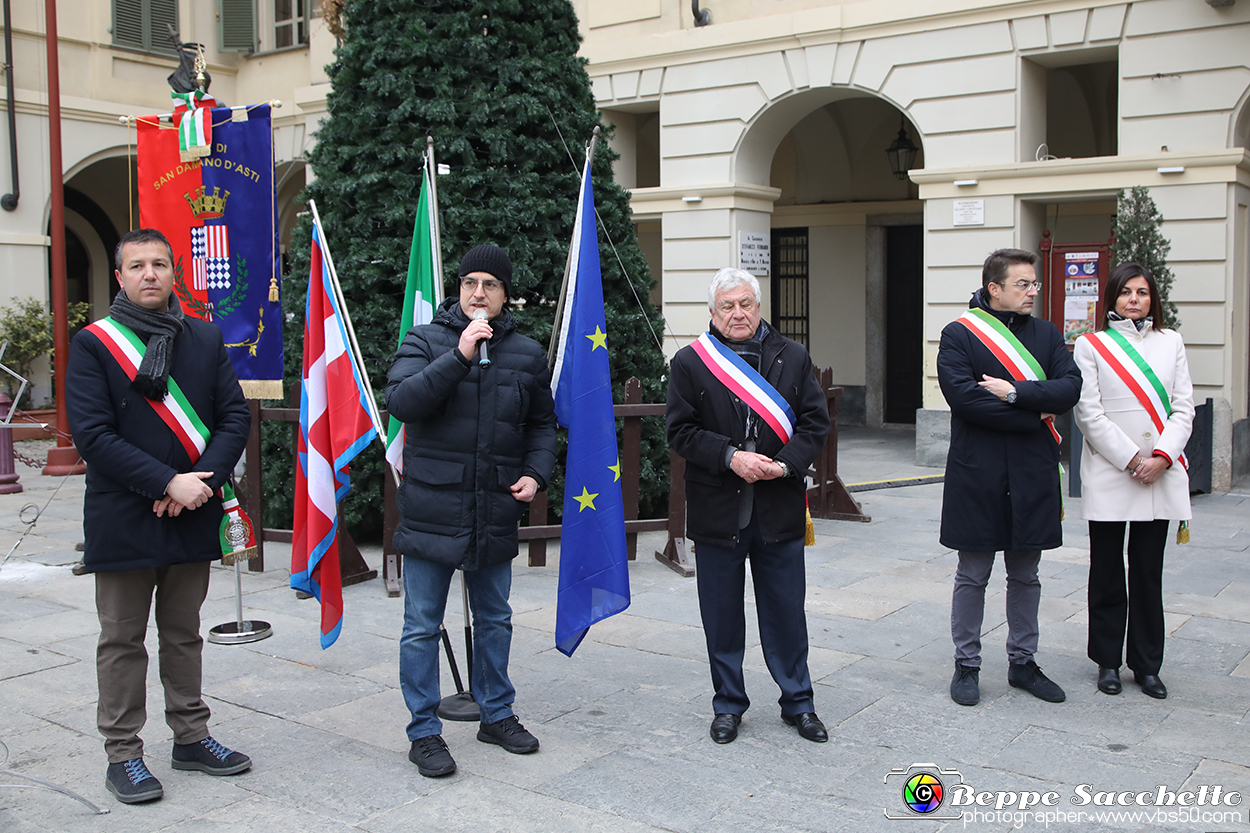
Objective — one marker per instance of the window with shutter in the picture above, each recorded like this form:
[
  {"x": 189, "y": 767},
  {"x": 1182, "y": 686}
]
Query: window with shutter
[
  {"x": 236, "y": 25},
  {"x": 144, "y": 24}
]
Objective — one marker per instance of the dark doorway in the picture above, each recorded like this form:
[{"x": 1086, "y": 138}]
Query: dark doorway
[
  {"x": 789, "y": 283},
  {"x": 904, "y": 323}
]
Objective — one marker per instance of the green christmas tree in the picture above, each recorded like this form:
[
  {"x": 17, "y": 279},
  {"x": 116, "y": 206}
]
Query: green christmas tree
[
  {"x": 1138, "y": 240},
  {"x": 500, "y": 87}
]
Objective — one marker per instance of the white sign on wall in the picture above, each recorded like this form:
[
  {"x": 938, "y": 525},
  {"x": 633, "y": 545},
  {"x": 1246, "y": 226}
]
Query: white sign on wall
[
  {"x": 754, "y": 253},
  {"x": 969, "y": 212}
]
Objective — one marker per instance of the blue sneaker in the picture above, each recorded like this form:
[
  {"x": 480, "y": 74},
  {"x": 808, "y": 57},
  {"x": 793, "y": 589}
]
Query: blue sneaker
[
  {"x": 209, "y": 756},
  {"x": 132, "y": 783}
]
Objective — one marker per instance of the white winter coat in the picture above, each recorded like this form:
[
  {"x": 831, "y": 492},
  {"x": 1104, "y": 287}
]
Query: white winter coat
[{"x": 1116, "y": 427}]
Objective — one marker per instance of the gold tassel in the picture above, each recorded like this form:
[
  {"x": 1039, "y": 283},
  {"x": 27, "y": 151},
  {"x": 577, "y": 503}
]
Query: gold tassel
[
  {"x": 809, "y": 531},
  {"x": 273, "y": 290},
  {"x": 1182, "y": 533}
]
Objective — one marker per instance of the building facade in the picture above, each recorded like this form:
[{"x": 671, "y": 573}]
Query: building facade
[{"x": 769, "y": 127}]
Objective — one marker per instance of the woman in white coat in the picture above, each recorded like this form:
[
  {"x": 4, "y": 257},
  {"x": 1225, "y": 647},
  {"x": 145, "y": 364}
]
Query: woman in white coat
[{"x": 1136, "y": 411}]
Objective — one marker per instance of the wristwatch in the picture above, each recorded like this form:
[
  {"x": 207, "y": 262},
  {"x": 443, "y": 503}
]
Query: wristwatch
[
  {"x": 785, "y": 469},
  {"x": 1011, "y": 396}
]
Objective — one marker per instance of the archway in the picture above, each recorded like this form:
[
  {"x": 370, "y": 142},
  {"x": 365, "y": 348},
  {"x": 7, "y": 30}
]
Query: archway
[{"x": 847, "y": 258}]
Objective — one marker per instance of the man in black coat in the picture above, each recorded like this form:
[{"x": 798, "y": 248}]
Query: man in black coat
[
  {"x": 1002, "y": 485},
  {"x": 152, "y": 511},
  {"x": 745, "y": 497},
  {"x": 480, "y": 443}
]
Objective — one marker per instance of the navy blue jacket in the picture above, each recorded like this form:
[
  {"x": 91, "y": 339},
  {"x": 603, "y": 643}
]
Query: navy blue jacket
[
  {"x": 470, "y": 434},
  {"x": 1002, "y": 484},
  {"x": 131, "y": 454},
  {"x": 704, "y": 419}
]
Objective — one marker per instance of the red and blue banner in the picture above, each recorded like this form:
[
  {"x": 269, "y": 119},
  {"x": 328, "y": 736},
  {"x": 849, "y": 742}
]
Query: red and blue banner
[
  {"x": 219, "y": 213},
  {"x": 334, "y": 426}
]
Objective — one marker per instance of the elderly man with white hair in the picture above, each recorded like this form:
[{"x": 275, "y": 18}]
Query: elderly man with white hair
[{"x": 748, "y": 416}]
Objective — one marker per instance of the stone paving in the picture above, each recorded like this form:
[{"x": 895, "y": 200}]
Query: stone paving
[{"x": 623, "y": 723}]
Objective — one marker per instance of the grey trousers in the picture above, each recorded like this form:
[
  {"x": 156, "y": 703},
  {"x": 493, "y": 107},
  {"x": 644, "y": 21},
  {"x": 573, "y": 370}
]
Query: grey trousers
[
  {"x": 123, "y": 603},
  {"x": 1024, "y": 592}
]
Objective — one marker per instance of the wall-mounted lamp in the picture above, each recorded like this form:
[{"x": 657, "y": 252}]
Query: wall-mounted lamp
[
  {"x": 1218, "y": 3},
  {"x": 701, "y": 17},
  {"x": 902, "y": 152},
  {"x": 1176, "y": 170},
  {"x": 965, "y": 183},
  {"x": 692, "y": 199}
]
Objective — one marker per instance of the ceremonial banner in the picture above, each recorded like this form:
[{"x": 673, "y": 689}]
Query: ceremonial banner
[
  {"x": 594, "y": 567},
  {"x": 334, "y": 426},
  {"x": 220, "y": 217},
  {"x": 422, "y": 293}
]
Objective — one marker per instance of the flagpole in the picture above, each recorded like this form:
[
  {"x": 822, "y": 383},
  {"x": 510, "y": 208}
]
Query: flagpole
[
  {"x": 351, "y": 333},
  {"x": 568, "y": 265},
  {"x": 438, "y": 231}
]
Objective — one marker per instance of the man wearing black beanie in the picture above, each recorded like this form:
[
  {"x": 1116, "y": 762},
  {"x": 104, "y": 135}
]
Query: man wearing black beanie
[{"x": 480, "y": 443}]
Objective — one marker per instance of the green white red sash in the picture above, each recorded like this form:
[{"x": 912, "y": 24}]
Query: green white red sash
[
  {"x": 175, "y": 410},
  {"x": 1135, "y": 372},
  {"x": 1002, "y": 342}
]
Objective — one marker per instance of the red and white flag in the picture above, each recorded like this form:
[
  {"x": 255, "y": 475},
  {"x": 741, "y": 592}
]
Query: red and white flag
[{"x": 335, "y": 424}]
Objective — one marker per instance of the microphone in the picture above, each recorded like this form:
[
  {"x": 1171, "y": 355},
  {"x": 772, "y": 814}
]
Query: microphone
[{"x": 483, "y": 347}]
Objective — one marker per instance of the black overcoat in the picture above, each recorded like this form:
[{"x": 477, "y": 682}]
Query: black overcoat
[
  {"x": 704, "y": 418},
  {"x": 131, "y": 455},
  {"x": 471, "y": 433},
  {"x": 1002, "y": 480}
]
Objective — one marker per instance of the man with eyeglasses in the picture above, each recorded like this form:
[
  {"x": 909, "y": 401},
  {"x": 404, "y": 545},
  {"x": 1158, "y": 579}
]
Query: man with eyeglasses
[
  {"x": 480, "y": 443},
  {"x": 1005, "y": 375},
  {"x": 748, "y": 416}
]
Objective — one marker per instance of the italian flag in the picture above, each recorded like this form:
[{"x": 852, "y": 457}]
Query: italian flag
[{"x": 423, "y": 291}]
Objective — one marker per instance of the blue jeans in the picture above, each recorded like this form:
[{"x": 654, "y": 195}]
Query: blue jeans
[{"x": 425, "y": 599}]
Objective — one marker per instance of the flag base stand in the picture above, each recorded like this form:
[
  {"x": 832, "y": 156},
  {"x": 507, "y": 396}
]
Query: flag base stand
[
  {"x": 459, "y": 706},
  {"x": 240, "y": 631}
]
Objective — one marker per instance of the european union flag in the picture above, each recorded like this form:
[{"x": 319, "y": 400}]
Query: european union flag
[{"x": 594, "y": 572}]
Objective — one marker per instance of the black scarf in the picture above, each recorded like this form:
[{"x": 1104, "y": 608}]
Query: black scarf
[{"x": 161, "y": 328}]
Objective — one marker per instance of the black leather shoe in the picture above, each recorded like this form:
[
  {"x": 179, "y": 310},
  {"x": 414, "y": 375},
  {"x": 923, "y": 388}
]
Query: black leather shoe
[
  {"x": 809, "y": 726},
  {"x": 725, "y": 727},
  {"x": 966, "y": 685},
  {"x": 1109, "y": 680},
  {"x": 1151, "y": 685}
]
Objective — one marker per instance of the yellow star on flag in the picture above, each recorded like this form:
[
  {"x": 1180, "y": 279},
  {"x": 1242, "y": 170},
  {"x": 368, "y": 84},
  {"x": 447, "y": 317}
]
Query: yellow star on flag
[
  {"x": 585, "y": 499},
  {"x": 598, "y": 338},
  {"x": 616, "y": 470}
]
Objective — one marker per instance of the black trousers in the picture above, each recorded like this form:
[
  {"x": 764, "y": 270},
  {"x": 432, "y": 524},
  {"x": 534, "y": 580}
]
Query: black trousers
[
  {"x": 779, "y": 575},
  {"x": 1137, "y": 610}
]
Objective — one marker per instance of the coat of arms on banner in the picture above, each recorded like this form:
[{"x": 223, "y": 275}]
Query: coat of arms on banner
[{"x": 219, "y": 214}]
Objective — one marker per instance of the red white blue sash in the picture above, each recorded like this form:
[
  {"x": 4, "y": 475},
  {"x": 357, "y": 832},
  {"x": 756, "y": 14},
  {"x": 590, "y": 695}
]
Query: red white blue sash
[
  {"x": 747, "y": 384},
  {"x": 1002, "y": 342},
  {"x": 175, "y": 410},
  {"x": 1135, "y": 372}
]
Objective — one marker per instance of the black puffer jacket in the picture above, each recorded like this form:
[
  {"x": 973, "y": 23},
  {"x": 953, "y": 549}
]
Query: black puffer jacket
[
  {"x": 1002, "y": 472},
  {"x": 471, "y": 434}
]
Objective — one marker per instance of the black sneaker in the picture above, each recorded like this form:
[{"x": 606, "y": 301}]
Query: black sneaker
[
  {"x": 510, "y": 734},
  {"x": 966, "y": 685},
  {"x": 1030, "y": 678},
  {"x": 209, "y": 756},
  {"x": 431, "y": 756},
  {"x": 131, "y": 782}
]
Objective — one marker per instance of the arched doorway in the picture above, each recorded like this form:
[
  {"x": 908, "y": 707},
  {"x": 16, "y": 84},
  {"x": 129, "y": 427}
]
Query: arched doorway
[{"x": 847, "y": 251}]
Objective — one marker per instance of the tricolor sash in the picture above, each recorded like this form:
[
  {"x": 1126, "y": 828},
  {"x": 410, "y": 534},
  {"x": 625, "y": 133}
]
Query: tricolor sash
[
  {"x": 747, "y": 384},
  {"x": 174, "y": 410},
  {"x": 1002, "y": 342},
  {"x": 1135, "y": 372}
]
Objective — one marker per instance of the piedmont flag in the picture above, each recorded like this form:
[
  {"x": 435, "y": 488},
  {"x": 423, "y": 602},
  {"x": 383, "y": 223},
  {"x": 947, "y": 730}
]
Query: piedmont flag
[
  {"x": 594, "y": 571},
  {"x": 422, "y": 293},
  {"x": 334, "y": 426}
]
